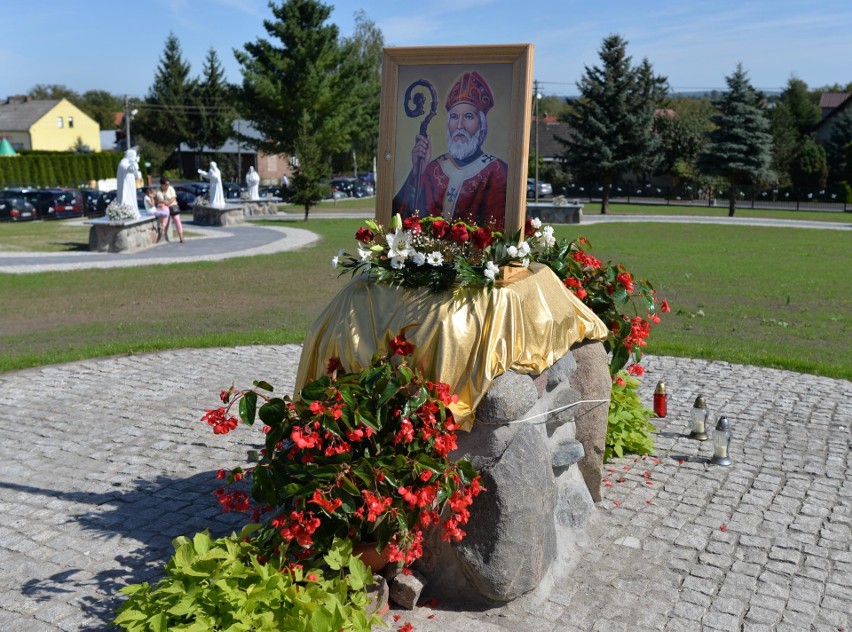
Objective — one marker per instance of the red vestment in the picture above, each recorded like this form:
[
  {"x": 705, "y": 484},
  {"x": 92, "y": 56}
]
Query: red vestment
[{"x": 474, "y": 192}]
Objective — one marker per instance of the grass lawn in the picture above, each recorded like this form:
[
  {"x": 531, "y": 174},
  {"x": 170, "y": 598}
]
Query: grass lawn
[{"x": 766, "y": 296}]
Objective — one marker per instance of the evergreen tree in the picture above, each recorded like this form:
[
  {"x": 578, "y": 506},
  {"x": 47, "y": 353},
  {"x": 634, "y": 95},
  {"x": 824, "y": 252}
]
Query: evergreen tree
[
  {"x": 163, "y": 119},
  {"x": 836, "y": 146},
  {"x": 740, "y": 147},
  {"x": 804, "y": 111},
  {"x": 785, "y": 141},
  {"x": 305, "y": 71},
  {"x": 809, "y": 169},
  {"x": 211, "y": 116},
  {"x": 612, "y": 121},
  {"x": 311, "y": 168}
]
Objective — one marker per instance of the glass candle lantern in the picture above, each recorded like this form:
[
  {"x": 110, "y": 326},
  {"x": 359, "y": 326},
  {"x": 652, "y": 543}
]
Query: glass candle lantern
[
  {"x": 660, "y": 399},
  {"x": 721, "y": 442},
  {"x": 699, "y": 414}
]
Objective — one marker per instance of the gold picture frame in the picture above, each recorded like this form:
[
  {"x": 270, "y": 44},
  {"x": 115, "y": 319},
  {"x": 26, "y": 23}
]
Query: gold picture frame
[{"x": 434, "y": 73}]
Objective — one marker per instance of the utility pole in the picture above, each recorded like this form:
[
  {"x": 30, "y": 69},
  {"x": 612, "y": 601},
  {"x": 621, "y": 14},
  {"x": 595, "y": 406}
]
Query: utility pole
[
  {"x": 537, "y": 97},
  {"x": 126, "y": 122}
]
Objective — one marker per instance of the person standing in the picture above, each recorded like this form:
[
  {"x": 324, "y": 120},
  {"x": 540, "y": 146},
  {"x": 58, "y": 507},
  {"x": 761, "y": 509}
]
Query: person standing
[
  {"x": 167, "y": 197},
  {"x": 464, "y": 183}
]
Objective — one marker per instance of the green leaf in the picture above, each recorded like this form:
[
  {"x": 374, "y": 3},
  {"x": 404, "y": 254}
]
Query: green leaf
[
  {"x": 248, "y": 407},
  {"x": 266, "y": 386},
  {"x": 273, "y": 412},
  {"x": 201, "y": 542}
]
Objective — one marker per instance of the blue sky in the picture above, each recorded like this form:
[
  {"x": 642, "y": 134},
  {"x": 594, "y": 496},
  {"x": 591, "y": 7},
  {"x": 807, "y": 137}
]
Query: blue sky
[{"x": 115, "y": 46}]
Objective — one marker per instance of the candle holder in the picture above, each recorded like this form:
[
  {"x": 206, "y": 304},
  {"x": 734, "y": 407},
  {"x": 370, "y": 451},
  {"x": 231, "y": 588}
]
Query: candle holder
[
  {"x": 699, "y": 415},
  {"x": 721, "y": 442}
]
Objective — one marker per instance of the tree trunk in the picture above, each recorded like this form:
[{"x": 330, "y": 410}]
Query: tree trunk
[
  {"x": 732, "y": 201},
  {"x": 307, "y": 210},
  {"x": 605, "y": 198}
]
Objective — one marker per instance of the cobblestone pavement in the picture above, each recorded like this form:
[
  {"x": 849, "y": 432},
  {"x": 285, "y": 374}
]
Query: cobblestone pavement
[{"x": 103, "y": 462}]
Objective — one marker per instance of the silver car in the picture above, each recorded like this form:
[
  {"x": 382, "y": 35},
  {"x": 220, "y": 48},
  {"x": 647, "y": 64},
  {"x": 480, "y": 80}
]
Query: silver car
[{"x": 544, "y": 188}]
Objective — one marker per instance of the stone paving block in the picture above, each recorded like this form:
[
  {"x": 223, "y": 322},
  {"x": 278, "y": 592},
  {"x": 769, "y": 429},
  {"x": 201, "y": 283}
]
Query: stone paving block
[{"x": 715, "y": 620}]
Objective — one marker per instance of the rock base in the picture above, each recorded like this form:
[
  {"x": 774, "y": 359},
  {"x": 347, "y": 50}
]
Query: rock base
[
  {"x": 528, "y": 443},
  {"x": 128, "y": 236},
  {"x": 229, "y": 215}
]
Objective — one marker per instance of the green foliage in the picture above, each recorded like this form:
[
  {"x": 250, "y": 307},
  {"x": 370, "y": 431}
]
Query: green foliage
[
  {"x": 683, "y": 136},
  {"x": 46, "y": 169},
  {"x": 163, "y": 118},
  {"x": 809, "y": 168},
  {"x": 307, "y": 71},
  {"x": 836, "y": 147},
  {"x": 613, "y": 119},
  {"x": 211, "y": 119},
  {"x": 226, "y": 584},
  {"x": 628, "y": 425},
  {"x": 740, "y": 147},
  {"x": 311, "y": 169},
  {"x": 804, "y": 111},
  {"x": 361, "y": 455}
]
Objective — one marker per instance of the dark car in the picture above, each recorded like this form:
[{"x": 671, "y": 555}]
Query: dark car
[
  {"x": 52, "y": 203},
  {"x": 16, "y": 209},
  {"x": 350, "y": 186},
  {"x": 185, "y": 200},
  {"x": 231, "y": 190},
  {"x": 95, "y": 202},
  {"x": 276, "y": 191},
  {"x": 198, "y": 189}
]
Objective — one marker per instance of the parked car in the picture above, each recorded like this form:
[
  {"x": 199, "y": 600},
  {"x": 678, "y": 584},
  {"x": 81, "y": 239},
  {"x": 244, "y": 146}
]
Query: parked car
[
  {"x": 185, "y": 200},
  {"x": 52, "y": 203},
  {"x": 544, "y": 188},
  {"x": 16, "y": 209},
  {"x": 198, "y": 189},
  {"x": 231, "y": 190},
  {"x": 276, "y": 191},
  {"x": 368, "y": 185},
  {"x": 95, "y": 202},
  {"x": 350, "y": 186}
]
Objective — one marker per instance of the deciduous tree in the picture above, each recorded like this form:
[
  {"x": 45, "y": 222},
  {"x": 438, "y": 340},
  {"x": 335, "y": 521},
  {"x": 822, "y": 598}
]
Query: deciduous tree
[
  {"x": 739, "y": 148},
  {"x": 837, "y": 145}
]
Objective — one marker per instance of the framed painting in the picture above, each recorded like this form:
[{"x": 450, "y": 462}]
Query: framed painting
[{"x": 454, "y": 134}]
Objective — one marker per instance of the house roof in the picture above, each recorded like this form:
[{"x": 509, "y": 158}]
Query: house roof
[
  {"x": 548, "y": 129},
  {"x": 828, "y": 119},
  {"x": 832, "y": 99},
  {"x": 18, "y": 116},
  {"x": 240, "y": 126}
]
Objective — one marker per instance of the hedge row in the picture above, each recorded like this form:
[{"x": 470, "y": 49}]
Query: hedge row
[{"x": 57, "y": 169}]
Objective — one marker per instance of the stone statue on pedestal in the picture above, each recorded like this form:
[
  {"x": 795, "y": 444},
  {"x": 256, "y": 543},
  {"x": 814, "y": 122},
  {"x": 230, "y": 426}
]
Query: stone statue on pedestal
[
  {"x": 253, "y": 184},
  {"x": 216, "y": 197},
  {"x": 126, "y": 176}
]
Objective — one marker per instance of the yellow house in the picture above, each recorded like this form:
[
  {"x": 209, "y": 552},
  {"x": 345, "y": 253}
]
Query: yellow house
[{"x": 47, "y": 124}]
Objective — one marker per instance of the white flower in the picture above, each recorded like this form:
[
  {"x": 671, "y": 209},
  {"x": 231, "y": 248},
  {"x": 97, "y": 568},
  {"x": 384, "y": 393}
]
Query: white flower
[
  {"x": 435, "y": 258},
  {"x": 547, "y": 238},
  {"x": 365, "y": 253},
  {"x": 536, "y": 223},
  {"x": 523, "y": 249},
  {"x": 419, "y": 258},
  {"x": 537, "y": 234},
  {"x": 399, "y": 243},
  {"x": 397, "y": 263},
  {"x": 512, "y": 251},
  {"x": 526, "y": 262},
  {"x": 334, "y": 263},
  {"x": 491, "y": 270}
]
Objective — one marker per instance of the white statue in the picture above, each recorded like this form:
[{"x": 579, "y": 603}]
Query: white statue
[
  {"x": 216, "y": 197},
  {"x": 126, "y": 176},
  {"x": 253, "y": 184}
]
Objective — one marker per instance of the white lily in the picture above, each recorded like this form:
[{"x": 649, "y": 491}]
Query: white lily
[
  {"x": 435, "y": 258},
  {"x": 491, "y": 270}
]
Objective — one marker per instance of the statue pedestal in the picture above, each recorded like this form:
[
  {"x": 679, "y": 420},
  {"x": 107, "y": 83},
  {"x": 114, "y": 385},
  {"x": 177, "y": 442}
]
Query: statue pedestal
[
  {"x": 229, "y": 215},
  {"x": 123, "y": 236}
]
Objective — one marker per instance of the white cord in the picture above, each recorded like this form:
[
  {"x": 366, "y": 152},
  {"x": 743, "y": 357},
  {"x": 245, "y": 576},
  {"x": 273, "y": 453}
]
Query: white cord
[{"x": 555, "y": 410}]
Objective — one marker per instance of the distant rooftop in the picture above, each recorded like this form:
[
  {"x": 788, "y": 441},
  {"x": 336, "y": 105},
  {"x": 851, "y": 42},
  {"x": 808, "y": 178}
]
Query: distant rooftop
[{"x": 832, "y": 99}]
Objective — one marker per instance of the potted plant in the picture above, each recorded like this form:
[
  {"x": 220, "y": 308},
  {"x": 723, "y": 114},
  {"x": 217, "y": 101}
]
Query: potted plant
[{"x": 362, "y": 455}]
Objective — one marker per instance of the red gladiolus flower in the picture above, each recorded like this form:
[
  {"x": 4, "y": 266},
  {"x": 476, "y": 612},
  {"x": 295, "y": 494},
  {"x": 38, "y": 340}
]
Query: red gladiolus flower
[
  {"x": 440, "y": 228},
  {"x": 412, "y": 224},
  {"x": 665, "y": 306},
  {"x": 482, "y": 237},
  {"x": 364, "y": 235},
  {"x": 459, "y": 233},
  {"x": 401, "y": 346}
]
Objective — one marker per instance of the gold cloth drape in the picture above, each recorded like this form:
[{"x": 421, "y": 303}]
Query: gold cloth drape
[{"x": 525, "y": 324}]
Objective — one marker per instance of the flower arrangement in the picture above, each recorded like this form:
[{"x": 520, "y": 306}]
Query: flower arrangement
[
  {"x": 363, "y": 455},
  {"x": 431, "y": 252},
  {"x": 117, "y": 212}
]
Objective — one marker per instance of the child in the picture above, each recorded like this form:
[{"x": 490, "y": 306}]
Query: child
[{"x": 161, "y": 211}]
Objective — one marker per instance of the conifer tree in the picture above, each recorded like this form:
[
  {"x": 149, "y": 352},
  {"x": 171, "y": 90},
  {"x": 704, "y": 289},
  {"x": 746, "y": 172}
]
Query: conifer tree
[
  {"x": 163, "y": 118},
  {"x": 311, "y": 168},
  {"x": 740, "y": 147},
  {"x": 612, "y": 122},
  {"x": 837, "y": 145},
  {"x": 211, "y": 116},
  {"x": 804, "y": 112}
]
